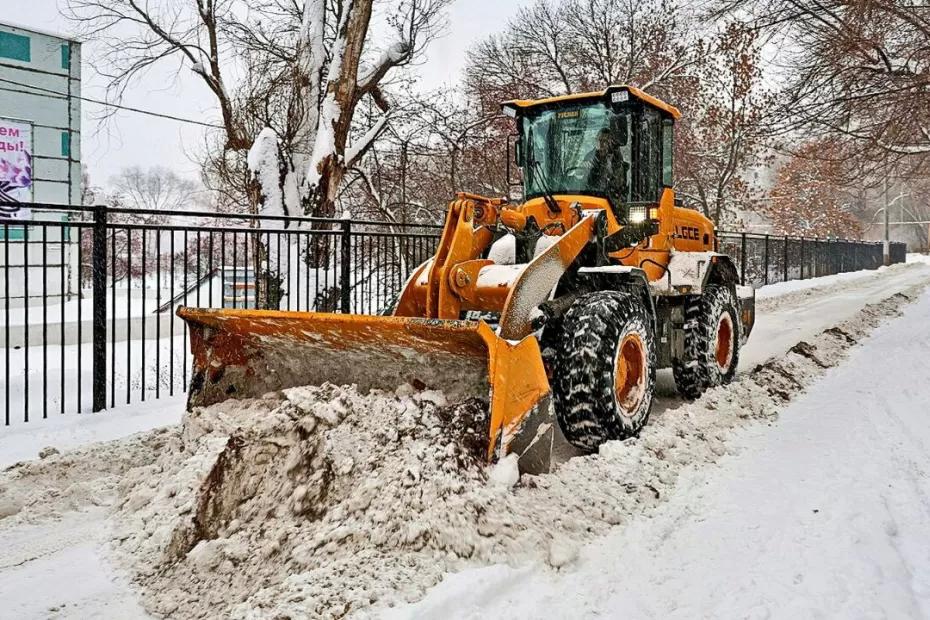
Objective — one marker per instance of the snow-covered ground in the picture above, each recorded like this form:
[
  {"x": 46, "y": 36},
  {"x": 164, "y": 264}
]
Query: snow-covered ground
[
  {"x": 22, "y": 442},
  {"x": 37, "y": 579},
  {"x": 798, "y": 310},
  {"x": 823, "y": 515}
]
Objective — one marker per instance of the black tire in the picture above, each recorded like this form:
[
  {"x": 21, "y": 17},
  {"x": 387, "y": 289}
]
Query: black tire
[
  {"x": 711, "y": 328},
  {"x": 590, "y": 405}
]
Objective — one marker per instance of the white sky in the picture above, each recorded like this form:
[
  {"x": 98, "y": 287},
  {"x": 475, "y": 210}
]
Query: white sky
[{"x": 131, "y": 139}]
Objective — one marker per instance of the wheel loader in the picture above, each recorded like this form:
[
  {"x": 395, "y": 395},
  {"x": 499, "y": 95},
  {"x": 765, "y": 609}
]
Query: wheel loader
[{"x": 557, "y": 311}]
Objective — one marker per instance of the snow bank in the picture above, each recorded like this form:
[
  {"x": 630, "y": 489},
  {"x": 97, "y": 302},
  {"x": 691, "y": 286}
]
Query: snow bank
[
  {"x": 836, "y": 281},
  {"x": 321, "y": 502},
  {"x": 626, "y": 479},
  {"x": 43, "y": 489},
  {"x": 64, "y": 432}
]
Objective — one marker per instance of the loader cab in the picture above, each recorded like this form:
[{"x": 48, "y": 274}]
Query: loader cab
[{"x": 616, "y": 144}]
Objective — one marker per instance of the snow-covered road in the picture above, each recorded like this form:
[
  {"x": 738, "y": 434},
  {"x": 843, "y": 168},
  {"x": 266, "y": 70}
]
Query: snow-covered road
[{"x": 823, "y": 515}]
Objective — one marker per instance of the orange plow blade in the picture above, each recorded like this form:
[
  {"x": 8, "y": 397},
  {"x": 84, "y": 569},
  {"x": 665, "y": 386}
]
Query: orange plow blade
[{"x": 248, "y": 353}]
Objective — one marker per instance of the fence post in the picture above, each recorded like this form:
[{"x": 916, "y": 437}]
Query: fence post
[
  {"x": 99, "y": 275},
  {"x": 742, "y": 266},
  {"x": 766, "y": 278},
  {"x": 785, "y": 262},
  {"x": 802, "y": 258},
  {"x": 345, "y": 272}
]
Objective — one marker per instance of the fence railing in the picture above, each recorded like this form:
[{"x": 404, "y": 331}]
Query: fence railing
[
  {"x": 89, "y": 293},
  {"x": 766, "y": 259}
]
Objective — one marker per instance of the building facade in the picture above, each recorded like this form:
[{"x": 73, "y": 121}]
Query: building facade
[
  {"x": 40, "y": 86},
  {"x": 40, "y": 162}
]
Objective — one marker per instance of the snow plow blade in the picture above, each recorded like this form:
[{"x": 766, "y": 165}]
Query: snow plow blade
[{"x": 248, "y": 353}]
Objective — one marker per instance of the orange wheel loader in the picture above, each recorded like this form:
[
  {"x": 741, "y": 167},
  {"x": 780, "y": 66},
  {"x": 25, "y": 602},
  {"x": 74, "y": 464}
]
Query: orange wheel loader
[{"x": 556, "y": 311}]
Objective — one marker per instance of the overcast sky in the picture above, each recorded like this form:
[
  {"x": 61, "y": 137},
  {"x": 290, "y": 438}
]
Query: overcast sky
[{"x": 130, "y": 139}]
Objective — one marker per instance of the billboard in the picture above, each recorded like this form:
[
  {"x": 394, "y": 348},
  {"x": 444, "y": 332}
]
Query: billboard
[{"x": 15, "y": 168}]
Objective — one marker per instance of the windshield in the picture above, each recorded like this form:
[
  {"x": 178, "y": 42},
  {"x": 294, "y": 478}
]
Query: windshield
[{"x": 583, "y": 150}]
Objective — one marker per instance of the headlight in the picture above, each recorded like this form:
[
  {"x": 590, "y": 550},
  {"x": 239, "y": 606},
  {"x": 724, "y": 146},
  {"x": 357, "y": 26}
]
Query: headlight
[{"x": 637, "y": 215}]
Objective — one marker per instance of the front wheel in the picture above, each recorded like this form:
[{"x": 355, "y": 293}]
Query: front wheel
[{"x": 604, "y": 370}]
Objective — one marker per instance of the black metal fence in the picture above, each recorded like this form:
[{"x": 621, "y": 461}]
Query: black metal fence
[
  {"x": 89, "y": 293},
  {"x": 767, "y": 259}
]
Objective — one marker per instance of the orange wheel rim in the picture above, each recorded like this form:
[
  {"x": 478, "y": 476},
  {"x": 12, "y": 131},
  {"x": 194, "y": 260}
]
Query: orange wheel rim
[
  {"x": 630, "y": 374},
  {"x": 724, "y": 348}
]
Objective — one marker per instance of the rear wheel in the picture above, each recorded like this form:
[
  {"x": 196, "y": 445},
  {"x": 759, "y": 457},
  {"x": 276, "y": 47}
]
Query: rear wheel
[
  {"x": 604, "y": 373},
  {"x": 711, "y": 342}
]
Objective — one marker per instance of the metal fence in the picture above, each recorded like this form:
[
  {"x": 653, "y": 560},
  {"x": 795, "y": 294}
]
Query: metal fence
[
  {"x": 767, "y": 259},
  {"x": 89, "y": 299},
  {"x": 89, "y": 293}
]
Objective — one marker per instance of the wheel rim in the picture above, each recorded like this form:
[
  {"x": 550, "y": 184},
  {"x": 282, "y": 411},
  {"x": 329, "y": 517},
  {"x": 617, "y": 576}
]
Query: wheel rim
[
  {"x": 630, "y": 374},
  {"x": 724, "y": 349}
]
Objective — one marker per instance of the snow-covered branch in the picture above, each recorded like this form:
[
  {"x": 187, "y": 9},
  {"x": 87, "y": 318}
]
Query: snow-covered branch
[{"x": 357, "y": 149}]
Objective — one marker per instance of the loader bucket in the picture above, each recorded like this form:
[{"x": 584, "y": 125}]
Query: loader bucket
[{"x": 248, "y": 353}]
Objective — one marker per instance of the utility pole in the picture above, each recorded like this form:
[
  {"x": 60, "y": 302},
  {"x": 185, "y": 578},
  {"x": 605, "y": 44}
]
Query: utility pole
[{"x": 886, "y": 246}]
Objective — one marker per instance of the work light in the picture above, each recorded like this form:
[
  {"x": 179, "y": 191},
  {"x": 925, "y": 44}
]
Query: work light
[
  {"x": 637, "y": 214},
  {"x": 620, "y": 96}
]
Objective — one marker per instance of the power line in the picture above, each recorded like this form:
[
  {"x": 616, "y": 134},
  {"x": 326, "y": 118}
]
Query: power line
[{"x": 114, "y": 105}]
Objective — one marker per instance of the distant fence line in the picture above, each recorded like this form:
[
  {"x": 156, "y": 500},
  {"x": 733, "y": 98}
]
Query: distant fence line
[
  {"x": 89, "y": 293},
  {"x": 766, "y": 259}
]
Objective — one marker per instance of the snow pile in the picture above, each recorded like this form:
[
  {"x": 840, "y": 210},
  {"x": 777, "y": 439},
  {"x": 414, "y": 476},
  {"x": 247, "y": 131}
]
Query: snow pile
[
  {"x": 791, "y": 292},
  {"x": 826, "y": 506},
  {"x": 300, "y": 503},
  {"x": 321, "y": 502}
]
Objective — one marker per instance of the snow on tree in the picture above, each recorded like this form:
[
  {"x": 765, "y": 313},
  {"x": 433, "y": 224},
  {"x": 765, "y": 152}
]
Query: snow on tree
[
  {"x": 307, "y": 65},
  {"x": 335, "y": 75},
  {"x": 303, "y": 67}
]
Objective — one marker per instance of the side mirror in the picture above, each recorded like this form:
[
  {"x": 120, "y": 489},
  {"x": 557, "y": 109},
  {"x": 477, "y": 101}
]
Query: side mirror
[{"x": 517, "y": 151}]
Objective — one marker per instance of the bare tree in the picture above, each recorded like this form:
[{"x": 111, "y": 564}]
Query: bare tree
[
  {"x": 810, "y": 197},
  {"x": 578, "y": 45},
  {"x": 307, "y": 66},
  {"x": 721, "y": 136},
  {"x": 155, "y": 189},
  {"x": 858, "y": 70},
  {"x": 134, "y": 35},
  {"x": 553, "y": 48}
]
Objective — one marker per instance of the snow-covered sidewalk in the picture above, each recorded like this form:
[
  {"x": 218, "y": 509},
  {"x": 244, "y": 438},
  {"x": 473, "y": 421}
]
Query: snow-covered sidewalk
[{"x": 825, "y": 515}]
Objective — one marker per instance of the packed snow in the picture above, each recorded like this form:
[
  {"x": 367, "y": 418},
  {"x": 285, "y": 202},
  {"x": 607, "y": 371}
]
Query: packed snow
[{"x": 373, "y": 498}]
